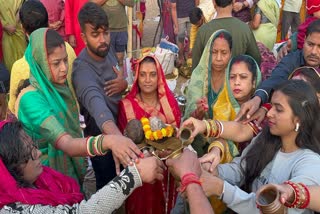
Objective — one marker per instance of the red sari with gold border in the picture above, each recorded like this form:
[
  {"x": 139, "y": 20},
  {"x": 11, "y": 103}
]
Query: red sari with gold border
[{"x": 160, "y": 196}]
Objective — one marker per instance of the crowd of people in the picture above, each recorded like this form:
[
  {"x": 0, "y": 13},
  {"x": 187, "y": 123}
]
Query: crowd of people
[{"x": 254, "y": 119}]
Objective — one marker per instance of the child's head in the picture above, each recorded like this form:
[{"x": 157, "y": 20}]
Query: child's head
[
  {"x": 196, "y": 16},
  {"x": 313, "y": 8}
]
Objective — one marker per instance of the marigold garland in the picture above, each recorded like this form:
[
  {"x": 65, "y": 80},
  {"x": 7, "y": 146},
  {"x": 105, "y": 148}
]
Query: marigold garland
[{"x": 155, "y": 135}]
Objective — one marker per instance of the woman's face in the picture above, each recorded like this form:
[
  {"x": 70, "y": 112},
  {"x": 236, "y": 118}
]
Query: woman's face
[
  {"x": 241, "y": 82},
  {"x": 282, "y": 121},
  {"x": 58, "y": 63},
  {"x": 148, "y": 78},
  {"x": 221, "y": 54},
  {"x": 33, "y": 168}
]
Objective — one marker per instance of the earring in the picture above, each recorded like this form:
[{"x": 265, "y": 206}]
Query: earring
[{"x": 297, "y": 127}]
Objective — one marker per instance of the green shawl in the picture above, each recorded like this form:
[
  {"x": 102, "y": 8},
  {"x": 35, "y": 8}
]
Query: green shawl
[
  {"x": 200, "y": 82},
  {"x": 49, "y": 110},
  {"x": 267, "y": 32}
]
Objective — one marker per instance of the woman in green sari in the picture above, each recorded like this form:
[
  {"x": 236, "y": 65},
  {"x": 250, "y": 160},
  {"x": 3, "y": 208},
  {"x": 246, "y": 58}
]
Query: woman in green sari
[
  {"x": 49, "y": 112},
  {"x": 265, "y": 22},
  {"x": 13, "y": 41},
  {"x": 207, "y": 78}
]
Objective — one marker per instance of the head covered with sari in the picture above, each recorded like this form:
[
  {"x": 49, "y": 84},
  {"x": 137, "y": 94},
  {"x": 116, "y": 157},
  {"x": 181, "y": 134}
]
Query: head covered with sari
[
  {"x": 59, "y": 96},
  {"x": 51, "y": 187},
  {"x": 200, "y": 82},
  {"x": 168, "y": 103},
  {"x": 227, "y": 107},
  {"x": 51, "y": 107}
]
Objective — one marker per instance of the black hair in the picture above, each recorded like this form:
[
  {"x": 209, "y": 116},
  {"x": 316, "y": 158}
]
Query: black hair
[
  {"x": 22, "y": 84},
  {"x": 53, "y": 40},
  {"x": 15, "y": 150},
  {"x": 148, "y": 59},
  {"x": 249, "y": 61},
  {"x": 33, "y": 15},
  {"x": 195, "y": 15},
  {"x": 314, "y": 27},
  {"x": 223, "y": 3},
  {"x": 93, "y": 14},
  {"x": 4, "y": 79},
  {"x": 311, "y": 76},
  {"x": 225, "y": 35},
  {"x": 305, "y": 105}
]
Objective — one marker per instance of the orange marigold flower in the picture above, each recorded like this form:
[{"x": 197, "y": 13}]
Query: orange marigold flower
[
  {"x": 159, "y": 134},
  {"x": 170, "y": 131}
]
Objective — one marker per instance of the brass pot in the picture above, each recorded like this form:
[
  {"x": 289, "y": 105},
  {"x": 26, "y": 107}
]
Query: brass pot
[
  {"x": 268, "y": 200},
  {"x": 185, "y": 136}
]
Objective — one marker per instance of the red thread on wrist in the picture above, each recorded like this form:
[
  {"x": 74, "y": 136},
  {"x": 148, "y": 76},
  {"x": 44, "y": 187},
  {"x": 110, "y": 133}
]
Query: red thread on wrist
[{"x": 188, "y": 178}]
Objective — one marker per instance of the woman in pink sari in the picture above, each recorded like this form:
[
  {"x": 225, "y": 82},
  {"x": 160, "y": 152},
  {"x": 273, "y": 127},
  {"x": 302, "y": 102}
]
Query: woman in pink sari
[{"x": 150, "y": 96}]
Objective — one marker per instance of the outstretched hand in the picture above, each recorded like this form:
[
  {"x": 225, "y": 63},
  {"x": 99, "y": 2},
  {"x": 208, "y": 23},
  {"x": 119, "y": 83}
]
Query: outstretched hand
[
  {"x": 248, "y": 108},
  {"x": 197, "y": 126},
  {"x": 117, "y": 85},
  {"x": 124, "y": 151},
  {"x": 213, "y": 158},
  {"x": 150, "y": 169},
  {"x": 186, "y": 163}
]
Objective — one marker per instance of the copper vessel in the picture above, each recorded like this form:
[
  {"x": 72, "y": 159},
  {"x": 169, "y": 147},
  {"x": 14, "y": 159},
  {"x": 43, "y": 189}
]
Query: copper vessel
[{"x": 268, "y": 200}]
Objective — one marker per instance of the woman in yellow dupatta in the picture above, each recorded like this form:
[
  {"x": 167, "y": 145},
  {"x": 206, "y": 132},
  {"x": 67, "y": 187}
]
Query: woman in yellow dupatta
[
  {"x": 242, "y": 77},
  {"x": 13, "y": 41},
  {"x": 265, "y": 22}
]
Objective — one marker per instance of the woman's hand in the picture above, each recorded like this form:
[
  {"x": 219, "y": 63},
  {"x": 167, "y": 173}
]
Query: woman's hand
[
  {"x": 237, "y": 6},
  {"x": 197, "y": 126},
  {"x": 286, "y": 193},
  {"x": 213, "y": 158},
  {"x": 202, "y": 108},
  {"x": 10, "y": 29},
  {"x": 150, "y": 169}
]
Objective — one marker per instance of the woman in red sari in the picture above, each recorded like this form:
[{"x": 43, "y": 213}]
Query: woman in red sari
[{"x": 150, "y": 96}]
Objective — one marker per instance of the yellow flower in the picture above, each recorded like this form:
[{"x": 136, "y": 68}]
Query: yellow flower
[
  {"x": 148, "y": 134},
  {"x": 164, "y": 132},
  {"x": 155, "y": 136},
  {"x": 146, "y": 128},
  {"x": 144, "y": 121}
]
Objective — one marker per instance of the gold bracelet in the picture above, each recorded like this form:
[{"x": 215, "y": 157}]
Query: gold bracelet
[
  {"x": 220, "y": 145},
  {"x": 207, "y": 134}
]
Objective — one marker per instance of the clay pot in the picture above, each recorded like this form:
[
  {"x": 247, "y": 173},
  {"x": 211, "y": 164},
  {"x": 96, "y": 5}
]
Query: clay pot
[{"x": 268, "y": 200}]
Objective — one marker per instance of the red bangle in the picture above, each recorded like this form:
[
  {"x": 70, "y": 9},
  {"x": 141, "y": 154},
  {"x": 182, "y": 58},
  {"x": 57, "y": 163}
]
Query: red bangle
[
  {"x": 297, "y": 196},
  {"x": 267, "y": 106},
  {"x": 187, "y": 179},
  {"x": 307, "y": 199}
]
